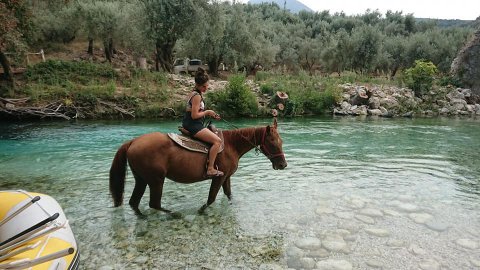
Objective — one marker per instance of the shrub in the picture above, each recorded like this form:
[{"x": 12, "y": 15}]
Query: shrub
[
  {"x": 236, "y": 100},
  {"x": 450, "y": 80},
  {"x": 420, "y": 78},
  {"x": 55, "y": 72}
]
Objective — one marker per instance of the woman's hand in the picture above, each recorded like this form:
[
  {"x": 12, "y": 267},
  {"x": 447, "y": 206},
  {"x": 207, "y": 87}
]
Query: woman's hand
[{"x": 212, "y": 114}]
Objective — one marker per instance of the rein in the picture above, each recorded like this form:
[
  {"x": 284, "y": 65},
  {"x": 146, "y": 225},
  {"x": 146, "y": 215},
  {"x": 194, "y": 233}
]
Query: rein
[{"x": 263, "y": 147}]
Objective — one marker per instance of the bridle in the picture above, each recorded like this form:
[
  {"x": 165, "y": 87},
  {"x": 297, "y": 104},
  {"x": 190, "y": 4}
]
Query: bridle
[{"x": 265, "y": 151}]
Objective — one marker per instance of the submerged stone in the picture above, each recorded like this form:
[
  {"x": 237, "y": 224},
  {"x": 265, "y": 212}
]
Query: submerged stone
[
  {"x": 407, "y": 207},
  {"x": 436, "y": 225},
  {"x": 324, "y": 210},
  {"x": 374, "y": 263},
  {"x": 429, "y": 265},
  {"x": 416, "y": 250},
  {"x": 365, "y": 219},
  {"x": 334, "y": 243},
  {"x": 371, "y": 212},
  {"x": 420, "y": 218},
  {"x": 331, "y": 264},
  {"x": 467, "y": 243},
  {"x": 310, "y": 243},
  {"x": 344, "y": 215},
  {"x": 475, "y": 261},
  {"x": 377, "y": 232}
]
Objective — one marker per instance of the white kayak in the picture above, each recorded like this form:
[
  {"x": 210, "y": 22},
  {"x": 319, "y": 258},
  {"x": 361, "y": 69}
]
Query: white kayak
[{"x": 34, "y": 233}]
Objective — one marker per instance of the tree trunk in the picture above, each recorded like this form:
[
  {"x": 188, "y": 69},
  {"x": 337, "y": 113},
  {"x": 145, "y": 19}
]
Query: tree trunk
[
  {"x": 164, "y": 56},
  {"x": 7, "y": 70},
  {"x": 90, "y": 46},
  {"x": 106, "y": 47},
  {"x": 142, "y": 63},
  {"x": 213, "y": 66},
  {"x": 394, "y": 71},
  {"x": 111, "y": 47}
]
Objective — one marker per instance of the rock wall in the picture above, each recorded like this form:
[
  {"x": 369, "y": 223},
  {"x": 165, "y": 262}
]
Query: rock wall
[{"x": 466, "y": 65}]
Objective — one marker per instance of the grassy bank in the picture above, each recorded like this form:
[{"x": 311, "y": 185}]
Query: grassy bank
[
  {"x": 81, "y": 89},
  {"x": 86, "y": 90},
  {"x": 95, "y": 91}
]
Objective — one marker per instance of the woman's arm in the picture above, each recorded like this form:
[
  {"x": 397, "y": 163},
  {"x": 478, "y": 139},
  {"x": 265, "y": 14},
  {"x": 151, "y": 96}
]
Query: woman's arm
[{"x": 196, "y": 113}]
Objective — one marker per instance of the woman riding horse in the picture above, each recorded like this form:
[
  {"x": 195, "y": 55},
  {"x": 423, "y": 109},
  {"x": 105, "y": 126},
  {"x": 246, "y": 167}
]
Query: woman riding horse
[
  {"x": 153, "y": 157},
  {"x": 195, "y": 116}
]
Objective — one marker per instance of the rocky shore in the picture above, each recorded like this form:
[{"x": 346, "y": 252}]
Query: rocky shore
[{"x": 391, "y": 101}]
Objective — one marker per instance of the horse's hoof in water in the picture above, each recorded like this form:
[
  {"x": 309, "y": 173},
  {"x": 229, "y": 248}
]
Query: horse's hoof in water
[
  {"x": 165, "y": 210},
  {"x": 202, "y": 209},
  {"x": 161, "y": 209},
  {"x": 138, "y": 213}
]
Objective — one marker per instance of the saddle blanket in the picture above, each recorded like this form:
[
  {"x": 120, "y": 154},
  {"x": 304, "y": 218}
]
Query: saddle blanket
[{"x": 193, "y": 144}]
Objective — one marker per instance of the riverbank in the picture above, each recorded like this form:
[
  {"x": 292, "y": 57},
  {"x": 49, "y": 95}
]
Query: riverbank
[
  {"x": 390, "y": 101},
  {"x": 67, "y": 90}
]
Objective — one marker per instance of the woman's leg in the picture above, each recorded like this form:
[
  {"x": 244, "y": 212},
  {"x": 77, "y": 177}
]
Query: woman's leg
[{"x": 208, "y": 136}]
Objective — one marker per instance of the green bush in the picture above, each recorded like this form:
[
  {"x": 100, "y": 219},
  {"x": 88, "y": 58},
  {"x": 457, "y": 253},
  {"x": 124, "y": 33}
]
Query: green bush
[
  {"x": 236, "y": 100},
  {"x": 314, "y": 100},
  {"x": 420, "y": 78},
  {"x": 450, "y": 80}
]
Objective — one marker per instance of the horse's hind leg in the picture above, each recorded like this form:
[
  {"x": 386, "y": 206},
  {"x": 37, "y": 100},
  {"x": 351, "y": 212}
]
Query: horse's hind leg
[
  {"x": 137, "y": 193},
  {"x": 156, "y": 190}
]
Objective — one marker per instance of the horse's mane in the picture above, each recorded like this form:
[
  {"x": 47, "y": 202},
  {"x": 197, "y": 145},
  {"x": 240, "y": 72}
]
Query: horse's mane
[{"x": 250, "y": 136}]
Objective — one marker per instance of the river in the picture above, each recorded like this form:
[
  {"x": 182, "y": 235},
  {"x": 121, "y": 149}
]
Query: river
[{"x": 358, "y": 193}]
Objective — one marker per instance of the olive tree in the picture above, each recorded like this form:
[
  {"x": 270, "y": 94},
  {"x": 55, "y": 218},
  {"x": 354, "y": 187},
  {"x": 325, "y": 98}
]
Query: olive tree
[
  {"x": 101, "y": 21},
  {"x": 366, "y": 45},
  {"x": 168, "y": 21},
  {"x": 56, "y": 21},
  {"x": 206, "y": 40},
  {"x": 395, "y": 49}
]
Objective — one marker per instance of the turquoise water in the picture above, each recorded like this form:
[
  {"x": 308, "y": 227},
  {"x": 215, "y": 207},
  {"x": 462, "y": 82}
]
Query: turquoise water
[{"x": 357, "y": 193}]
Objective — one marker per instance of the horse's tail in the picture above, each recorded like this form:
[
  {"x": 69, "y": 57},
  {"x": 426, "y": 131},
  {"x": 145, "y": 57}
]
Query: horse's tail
[{"x": 117, "y": 174}]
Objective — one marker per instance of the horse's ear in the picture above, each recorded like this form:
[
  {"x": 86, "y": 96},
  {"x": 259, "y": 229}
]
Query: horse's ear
[{"x": 275, "y": 122}]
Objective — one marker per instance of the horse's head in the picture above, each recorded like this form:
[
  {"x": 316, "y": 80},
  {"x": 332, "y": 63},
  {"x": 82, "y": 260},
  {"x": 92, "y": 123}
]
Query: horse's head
[{"x": 271, "y": 147}]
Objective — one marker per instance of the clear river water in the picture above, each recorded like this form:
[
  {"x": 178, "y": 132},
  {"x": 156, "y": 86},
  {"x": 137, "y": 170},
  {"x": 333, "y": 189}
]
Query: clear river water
[{"x": 358, "y": 193}]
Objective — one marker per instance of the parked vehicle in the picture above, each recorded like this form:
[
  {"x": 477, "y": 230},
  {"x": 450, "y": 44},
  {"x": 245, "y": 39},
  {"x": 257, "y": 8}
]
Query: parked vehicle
[{"x": 185, "y": 65}]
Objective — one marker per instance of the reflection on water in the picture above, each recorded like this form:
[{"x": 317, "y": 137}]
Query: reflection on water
[{"x": 357, "y": 194}]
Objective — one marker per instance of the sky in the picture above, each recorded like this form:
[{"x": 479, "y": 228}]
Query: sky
[{"x": 435, "y": 9}]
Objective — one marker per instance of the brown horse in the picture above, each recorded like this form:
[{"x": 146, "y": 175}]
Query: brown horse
[{"x": 153, "y": 157}]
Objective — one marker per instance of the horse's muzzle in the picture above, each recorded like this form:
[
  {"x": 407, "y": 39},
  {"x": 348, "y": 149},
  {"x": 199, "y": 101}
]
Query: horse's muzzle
[{"x": 279, "y": 165}]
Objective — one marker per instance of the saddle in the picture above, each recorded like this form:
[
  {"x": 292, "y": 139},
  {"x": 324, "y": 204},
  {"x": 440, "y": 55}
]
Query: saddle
[{"x": 186, "y": 141}]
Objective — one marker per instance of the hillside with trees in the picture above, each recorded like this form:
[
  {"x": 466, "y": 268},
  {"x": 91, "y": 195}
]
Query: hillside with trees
[{"x": 248, "y": 36}]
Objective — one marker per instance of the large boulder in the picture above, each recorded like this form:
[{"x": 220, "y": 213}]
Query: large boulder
[{"x": 466, "y": 66}]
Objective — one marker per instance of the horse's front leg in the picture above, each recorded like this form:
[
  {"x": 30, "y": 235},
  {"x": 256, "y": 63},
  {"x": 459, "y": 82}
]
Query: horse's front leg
[
  {"x": 227, "y": 189},
  {"x": 212, "y": 194}
]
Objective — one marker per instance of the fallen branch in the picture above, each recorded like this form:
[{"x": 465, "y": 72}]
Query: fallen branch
[
  {"x": 15, "y": 101},
  {"x": 40, "y": 112},
  {"x": 115, "y": 107}
]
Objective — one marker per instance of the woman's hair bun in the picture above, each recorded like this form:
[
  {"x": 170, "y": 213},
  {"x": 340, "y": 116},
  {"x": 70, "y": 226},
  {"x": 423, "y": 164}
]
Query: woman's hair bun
[{"x": 201, "y": 76}]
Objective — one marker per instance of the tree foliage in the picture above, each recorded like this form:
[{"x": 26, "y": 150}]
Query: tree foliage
[
  {"x": 15, "y": 30},
  {"x": 241, "y": 35},
  {"x": 167, "y": 21},
  {"x": 420, "y": 77}
]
